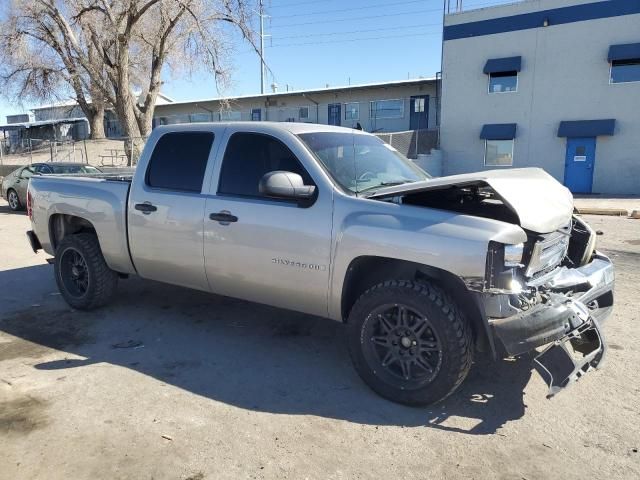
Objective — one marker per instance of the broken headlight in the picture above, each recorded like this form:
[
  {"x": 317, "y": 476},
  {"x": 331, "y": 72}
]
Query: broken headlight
[{"x": 503, "y": 262}]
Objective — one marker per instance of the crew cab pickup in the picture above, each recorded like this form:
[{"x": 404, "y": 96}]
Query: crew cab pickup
[{"x": 333, "y": 222}]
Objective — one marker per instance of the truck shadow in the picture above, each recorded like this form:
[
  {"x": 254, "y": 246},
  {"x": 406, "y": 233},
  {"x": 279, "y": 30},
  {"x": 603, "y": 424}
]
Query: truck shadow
[{"x": 247, "y": 355}]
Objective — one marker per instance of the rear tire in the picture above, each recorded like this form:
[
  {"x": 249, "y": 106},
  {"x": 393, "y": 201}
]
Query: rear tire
[
  {"x": 14, "y": 200},
  {"x": 409, "y": 342},
  {"x": 83, "y": 277}
]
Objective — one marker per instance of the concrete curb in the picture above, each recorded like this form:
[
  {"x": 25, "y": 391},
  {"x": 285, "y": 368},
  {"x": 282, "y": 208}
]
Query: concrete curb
[{"x": 613, "y": 212}]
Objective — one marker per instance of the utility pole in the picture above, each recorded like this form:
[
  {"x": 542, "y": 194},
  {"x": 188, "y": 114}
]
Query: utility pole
[{"x": 262, "y": 35}]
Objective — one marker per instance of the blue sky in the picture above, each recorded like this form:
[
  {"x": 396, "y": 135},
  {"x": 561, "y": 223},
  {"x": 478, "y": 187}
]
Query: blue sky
[{"x": 335, "y": 42}]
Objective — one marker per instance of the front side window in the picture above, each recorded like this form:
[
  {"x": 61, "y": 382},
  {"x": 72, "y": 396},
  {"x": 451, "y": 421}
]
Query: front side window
[
  {"x": 249, "y": 156},
  {"x": 502, "y": 82},
  {"x": 43, "y": 169},
  {"x": 352, "y": 111},
  {"x": 361, "y": 163},
  {"x": 625, "y": 71},
  {"x": 498, "y": 153},
  {"x": 179, "y": 160},
  {"x": 387, "y": 108}
]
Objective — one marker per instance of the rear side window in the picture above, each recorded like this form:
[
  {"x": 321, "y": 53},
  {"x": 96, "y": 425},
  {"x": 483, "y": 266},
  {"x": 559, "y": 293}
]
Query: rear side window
[
  {"x": 179, "y": 160},
  {"x": 249, "y": 156}
]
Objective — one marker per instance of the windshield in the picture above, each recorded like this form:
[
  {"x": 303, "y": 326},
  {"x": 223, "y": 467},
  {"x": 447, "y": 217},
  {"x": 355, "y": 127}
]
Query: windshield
[
  {"x": 74, "y": 169},
  {"x": 361, "y": 162}
]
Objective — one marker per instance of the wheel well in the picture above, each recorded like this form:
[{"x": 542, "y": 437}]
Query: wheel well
[
  {"x": 368, "y": 271},
  {"x": 61, "y": 225}
]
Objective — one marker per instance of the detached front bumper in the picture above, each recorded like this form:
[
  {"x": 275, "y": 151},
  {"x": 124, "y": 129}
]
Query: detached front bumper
[{"x": 576, "y": 302}]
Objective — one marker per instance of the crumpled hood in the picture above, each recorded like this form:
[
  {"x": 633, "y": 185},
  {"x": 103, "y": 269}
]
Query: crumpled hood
[{"x": 541, "y": 203}]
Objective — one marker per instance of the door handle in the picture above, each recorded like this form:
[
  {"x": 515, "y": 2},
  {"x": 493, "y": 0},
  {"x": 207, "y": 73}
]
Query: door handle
[
  {"x": 145, "y": 208},
  {"x": 223, "y": 217}
]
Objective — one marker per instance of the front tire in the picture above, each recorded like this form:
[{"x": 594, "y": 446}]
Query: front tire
[
  {"x": 83, "y": 277},
  {"x": 14, "y": 200},
  {"x": 409, "y": 342}
]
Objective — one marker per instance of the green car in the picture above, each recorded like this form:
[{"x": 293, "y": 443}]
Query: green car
[{"x": 14, "y": 185}]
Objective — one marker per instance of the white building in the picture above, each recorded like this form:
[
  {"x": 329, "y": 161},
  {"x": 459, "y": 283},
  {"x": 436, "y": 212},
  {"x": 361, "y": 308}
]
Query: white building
[{"x": 545, "y": 83}]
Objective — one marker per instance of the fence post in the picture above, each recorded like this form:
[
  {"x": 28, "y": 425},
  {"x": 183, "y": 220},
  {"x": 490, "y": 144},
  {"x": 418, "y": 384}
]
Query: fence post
[
  {"x": 1, "y": 151},
  {"x": 30, "y": 152},
  {"x": 84, "y": 141}
]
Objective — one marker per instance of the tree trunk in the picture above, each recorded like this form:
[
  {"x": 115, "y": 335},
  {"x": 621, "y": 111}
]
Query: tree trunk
[
  {"x": 132, "y": 141},
  {"x": 96, "y": 124}
]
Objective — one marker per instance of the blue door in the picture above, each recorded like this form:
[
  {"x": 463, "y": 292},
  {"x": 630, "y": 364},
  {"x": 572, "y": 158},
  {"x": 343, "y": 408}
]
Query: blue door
[
  {"x": 419, "y": 116},
  {"x": 578, "y": 169},
  {"x": 335, "y": 110},
  {"x": 256, "y": 114}
]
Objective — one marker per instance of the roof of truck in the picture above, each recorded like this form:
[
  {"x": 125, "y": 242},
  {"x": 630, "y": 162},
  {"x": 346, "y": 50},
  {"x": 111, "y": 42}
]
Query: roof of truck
[{"x": 292, "y": 127}]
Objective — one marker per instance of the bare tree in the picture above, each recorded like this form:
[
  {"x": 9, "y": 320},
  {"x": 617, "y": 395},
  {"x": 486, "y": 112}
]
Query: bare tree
[
  {"x": 116, "y": 49},
  {"x": 36, "y": 63}
]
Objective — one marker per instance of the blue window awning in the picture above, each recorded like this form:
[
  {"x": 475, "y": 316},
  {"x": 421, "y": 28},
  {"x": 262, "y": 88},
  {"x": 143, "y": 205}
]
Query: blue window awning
[
  {"x": 628, "y": 51},
  {"x": 498, "y": 131},
  {"x": 499, "y": 65},
  {"x": 587, "y": 128}
]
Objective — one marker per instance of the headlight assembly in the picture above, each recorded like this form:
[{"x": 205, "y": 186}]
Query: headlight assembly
[{"x": 513, "y": 255}]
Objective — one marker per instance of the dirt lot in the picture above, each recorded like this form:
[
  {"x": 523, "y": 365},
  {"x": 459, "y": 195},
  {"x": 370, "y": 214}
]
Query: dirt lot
[{"x": 172, "y": 383}]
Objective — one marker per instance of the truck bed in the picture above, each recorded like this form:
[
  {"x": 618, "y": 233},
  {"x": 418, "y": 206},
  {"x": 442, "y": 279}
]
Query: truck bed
[{"x": 100, "y": 199}]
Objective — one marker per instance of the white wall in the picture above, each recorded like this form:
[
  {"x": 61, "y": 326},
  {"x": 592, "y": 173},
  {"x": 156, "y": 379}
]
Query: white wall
[{"x": 565, "y": 76}]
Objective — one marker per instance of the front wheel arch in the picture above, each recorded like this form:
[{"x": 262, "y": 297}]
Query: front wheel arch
[{"x": 365, "y": 272}]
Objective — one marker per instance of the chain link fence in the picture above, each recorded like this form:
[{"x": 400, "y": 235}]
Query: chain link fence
[
  {"x": 412, "y": 142},
  {"x": 107, "y": 152}
]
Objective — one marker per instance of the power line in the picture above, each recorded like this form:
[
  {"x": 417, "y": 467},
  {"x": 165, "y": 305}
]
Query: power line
[
  {"x": 351, "y": 19},
  {"x": 339, "y": 10},
  {"x": 355, "y": 39},
  {"x": 369, "y": 30},
  {"x": 287, "y": 5}
]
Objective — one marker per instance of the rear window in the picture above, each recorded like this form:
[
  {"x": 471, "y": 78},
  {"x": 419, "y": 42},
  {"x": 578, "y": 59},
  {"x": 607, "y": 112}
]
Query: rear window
[{"x": 179, "y": 160}]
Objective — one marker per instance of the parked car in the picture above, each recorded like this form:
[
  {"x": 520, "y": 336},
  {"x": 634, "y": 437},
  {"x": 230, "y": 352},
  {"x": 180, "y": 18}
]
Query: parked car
[
  {"x": 14, "y": 185},
  {"x": 333, "y": 222}
]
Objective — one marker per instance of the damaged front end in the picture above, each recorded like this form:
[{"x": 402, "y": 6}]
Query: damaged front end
[{"x": 554, "y": 290}]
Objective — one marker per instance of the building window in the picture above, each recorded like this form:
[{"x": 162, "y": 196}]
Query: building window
[
  {"x": 200, "y": 117},
  {"x": 625, "y": 71},
  {"x": 498, "y": 153},
  {"x": 503, "y": 82},
  {"x": 230, "y": 116},
  {"x": 387, "y": 108},
  {"x": 418, "y": 105},
  {"x": 352, "y": 111},
  {"x": 304, "y": 113}
]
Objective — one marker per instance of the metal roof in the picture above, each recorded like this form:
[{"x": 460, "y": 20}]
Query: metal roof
[{"x": 41, "y": 123}]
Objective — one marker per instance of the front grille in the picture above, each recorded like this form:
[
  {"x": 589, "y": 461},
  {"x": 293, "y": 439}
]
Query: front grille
[{"x": 548, "y": 252}]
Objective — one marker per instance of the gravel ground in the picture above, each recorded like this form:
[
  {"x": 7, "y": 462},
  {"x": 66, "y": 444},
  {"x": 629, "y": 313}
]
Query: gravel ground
[{"x": 173, "y": 383}]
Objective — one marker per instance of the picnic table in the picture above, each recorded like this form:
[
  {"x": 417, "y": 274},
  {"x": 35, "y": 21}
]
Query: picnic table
[{"x": 111, "y": 159}]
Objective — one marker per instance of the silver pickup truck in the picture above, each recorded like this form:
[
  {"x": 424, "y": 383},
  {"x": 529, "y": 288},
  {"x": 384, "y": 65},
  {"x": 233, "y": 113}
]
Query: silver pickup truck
[{"x": 334, "y": 222}]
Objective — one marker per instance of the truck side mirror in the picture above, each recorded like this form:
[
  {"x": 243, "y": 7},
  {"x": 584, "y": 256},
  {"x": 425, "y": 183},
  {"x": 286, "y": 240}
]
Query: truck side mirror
[{"x": 281, "y": 184}]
